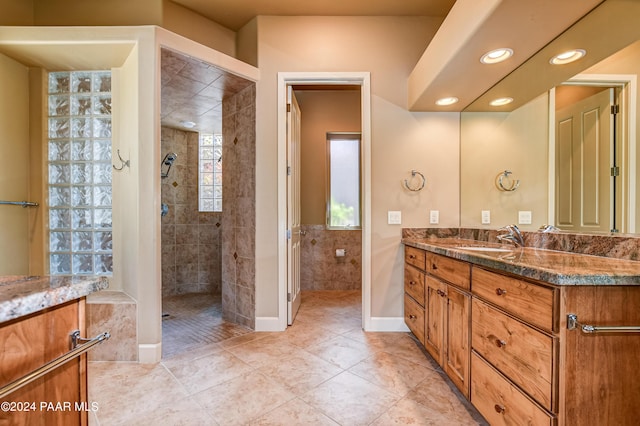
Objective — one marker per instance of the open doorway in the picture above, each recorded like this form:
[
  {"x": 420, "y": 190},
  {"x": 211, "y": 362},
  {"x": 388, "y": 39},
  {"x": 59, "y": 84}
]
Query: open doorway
[
  {"x": 335, "y": 259},
  {"x": 194, "y": 188}
]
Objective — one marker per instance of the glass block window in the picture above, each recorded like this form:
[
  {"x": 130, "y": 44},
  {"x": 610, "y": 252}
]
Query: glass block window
[
  {"x": 210, "y": 176},
  {"x": 79, "y": 161}
]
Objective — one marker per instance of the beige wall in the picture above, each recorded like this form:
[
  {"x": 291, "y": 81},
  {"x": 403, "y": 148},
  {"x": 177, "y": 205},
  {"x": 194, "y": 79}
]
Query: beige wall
[
  {"x": 164, "y": 13},
  {"x": 388, "y": 48},
  {"x": 322, "y": 111},
  {"x": 181, "y": 20},
  {"x": 14, "y": 166},
  {"x": 494, "y": 142}
]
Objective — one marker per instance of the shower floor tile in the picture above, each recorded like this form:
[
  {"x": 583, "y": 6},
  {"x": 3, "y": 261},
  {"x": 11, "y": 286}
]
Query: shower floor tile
[{"x": 192, "y": 320}]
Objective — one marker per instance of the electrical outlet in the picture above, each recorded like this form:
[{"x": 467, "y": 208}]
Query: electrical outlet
[
  {"x": 524, "y": 217},
  {"x": 434, "y": 217},
  {"x": 394, "y": 217},
  {"x": 486, "y": 217}
]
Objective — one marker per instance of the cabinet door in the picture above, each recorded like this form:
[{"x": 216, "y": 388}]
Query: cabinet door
[
  {"x": 435, "y": 305},
  {"x": 457, "y": 338}
]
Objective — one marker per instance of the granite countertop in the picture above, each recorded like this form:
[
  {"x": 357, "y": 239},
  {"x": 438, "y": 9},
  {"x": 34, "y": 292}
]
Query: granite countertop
[
  {"x": 23, "y": 295},
  {"x": 555, "y": 267}
]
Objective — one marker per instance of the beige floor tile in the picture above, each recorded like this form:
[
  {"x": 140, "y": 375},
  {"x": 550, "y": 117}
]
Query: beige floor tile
[
  {"x": 350, "y": 400},
  {"x": 392, "y": 373},
  {"x": 410, "y": 349},
  {"x": 258, "y": 353},
  {"x": 304, "y": 334},
  {"x": 207, "y": 371},
  {"x": 293, "y": 413},
  {"x": 126, "y": 390},
  {"x": 341, "y": 351},
  {"x": 301, "y": 371},
  {"x": 185, "y": 412},
  {"x": 243, "y": 399},
  {"x": 408, "y": 412}
]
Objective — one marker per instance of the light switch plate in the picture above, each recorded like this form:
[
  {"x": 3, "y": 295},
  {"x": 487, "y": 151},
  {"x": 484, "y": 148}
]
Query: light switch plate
[
  {"x": 524, "y": 217},
  {"x": 434, "y": 217},
  {"x": 486, "y": 217},
  {"x": 394, "y": 217}
]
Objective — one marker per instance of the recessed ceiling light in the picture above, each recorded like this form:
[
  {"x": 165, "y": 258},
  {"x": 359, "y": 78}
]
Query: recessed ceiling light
[
  {"x": 447, "y": 101},
  {"x": 188, "y": 124},
  {"x": 501, "y": 101},
  {"x": 496, "y": 55},
  {"x": 568, "y": 56}
]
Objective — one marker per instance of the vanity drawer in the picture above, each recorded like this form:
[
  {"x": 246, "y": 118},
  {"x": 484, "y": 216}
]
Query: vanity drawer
[
  {"x": 500, "y": 402},
  {"x": 415, "y": 257},
  {"x": 520, "y": 352},
  {"x": 454, "y": 271},
  {"x": 414, "y": 283},
  {"x": 533, "y": 303},
  {"x": 414, "y": 317}
]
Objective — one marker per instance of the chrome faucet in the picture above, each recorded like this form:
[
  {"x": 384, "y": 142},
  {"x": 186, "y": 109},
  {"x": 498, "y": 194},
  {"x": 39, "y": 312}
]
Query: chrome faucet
[
  {"x": 548, "y": 228},
  {"x": 513, "y": 234}
]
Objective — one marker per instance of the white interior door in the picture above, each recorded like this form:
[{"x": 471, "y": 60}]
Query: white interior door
[
  {"x": 293, "y": 206},
  {"x": 583, "y": 160}
]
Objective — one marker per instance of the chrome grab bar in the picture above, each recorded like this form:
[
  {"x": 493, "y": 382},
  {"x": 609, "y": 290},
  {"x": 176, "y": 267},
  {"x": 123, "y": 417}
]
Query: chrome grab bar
[
  {"x": 76, "y": 350},
  {"x": 20, "y": 203},
  {"x": 572, "y": 324}
]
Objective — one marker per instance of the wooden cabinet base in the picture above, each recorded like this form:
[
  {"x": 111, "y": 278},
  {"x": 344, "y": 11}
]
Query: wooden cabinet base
[{"x": 59, "y": 398}]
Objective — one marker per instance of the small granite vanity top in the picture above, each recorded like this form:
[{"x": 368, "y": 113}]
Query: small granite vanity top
[
  {"x": 555, "y": 267},
  {"x": 23, "y": 295}
]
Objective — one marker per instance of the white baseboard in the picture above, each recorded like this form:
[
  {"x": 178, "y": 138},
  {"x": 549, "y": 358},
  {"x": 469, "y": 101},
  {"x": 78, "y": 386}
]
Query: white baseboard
[
  {"x": 149, "y": 353},
  {"x": 269, "y": 324},
  {"x": 387, "y": 324}
]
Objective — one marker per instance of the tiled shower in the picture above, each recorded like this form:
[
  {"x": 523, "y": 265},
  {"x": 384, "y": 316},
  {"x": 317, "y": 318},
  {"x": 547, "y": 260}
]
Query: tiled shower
[{"x": 191, "y": 240}]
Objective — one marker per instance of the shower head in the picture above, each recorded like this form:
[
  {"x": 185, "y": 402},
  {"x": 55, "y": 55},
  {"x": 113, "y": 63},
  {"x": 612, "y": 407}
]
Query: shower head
[
  {"x": 169, "y": 158},
  {"x": 167, "y": 161}
]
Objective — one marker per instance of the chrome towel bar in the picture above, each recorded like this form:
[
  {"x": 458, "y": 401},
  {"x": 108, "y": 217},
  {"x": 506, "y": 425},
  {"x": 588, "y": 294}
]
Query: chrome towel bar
[
  {"x": 76, "y": 351},
  {"x": 572, "y": 324},
  {"x": 20, "y": 203}
]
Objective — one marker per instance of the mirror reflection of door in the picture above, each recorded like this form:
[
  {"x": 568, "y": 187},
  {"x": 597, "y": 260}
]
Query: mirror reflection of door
[{"x": 586, "y": 159}]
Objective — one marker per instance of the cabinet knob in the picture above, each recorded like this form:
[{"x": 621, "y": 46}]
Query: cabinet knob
[
  {"x": 434, "y": 266},
  {"x": 499, "y": 408},
  {"x": 411, "y": 256},
  {"x": 412, "y": 283},
  {"x": 501, "y": 291},
  {"x": 441, "y": 293},
  {"x": 412, "y": 317},
  {"x": 500, "y": 343}
]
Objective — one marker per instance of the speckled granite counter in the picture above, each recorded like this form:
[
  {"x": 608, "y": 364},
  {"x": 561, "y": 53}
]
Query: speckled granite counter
[
  {"x": 23, "y": 295},
  {"x": 555, "y": 267}
]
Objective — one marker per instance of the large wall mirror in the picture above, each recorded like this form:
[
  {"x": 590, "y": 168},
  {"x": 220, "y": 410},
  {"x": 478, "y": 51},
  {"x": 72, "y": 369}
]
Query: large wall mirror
[{"x": 568, "y": 159}]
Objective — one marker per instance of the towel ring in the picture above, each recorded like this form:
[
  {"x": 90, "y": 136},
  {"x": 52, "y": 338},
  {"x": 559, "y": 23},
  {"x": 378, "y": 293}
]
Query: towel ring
[
  {"x": 420, "y": 186},
  {"x": 514, "y": 183}
]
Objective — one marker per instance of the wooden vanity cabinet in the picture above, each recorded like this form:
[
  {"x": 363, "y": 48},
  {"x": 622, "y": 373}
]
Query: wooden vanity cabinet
[
  {"x": 446, "y": 311},
  {"x": 414, "y": 291},
  {"x": 60, "y": 397}
]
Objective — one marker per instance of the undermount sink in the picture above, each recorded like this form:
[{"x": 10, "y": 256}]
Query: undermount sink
[{"x": 480, "y": 248}]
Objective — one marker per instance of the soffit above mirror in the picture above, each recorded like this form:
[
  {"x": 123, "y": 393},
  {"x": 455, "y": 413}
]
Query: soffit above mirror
[
  {"x": 607, "y": 29},
  {"x": 450, "y": 66}
]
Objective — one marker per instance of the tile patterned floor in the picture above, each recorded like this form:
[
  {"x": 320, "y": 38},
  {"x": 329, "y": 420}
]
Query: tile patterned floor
[
  {"x": 191, "y": 320},
  {"x": 323, "y": 370}
]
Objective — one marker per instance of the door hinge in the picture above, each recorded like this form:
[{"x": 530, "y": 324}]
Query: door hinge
[
  {"x": 288, "y": 107},
  {"x": 615, "y": 109},
  {"x": 288, "y": 170},
  {"x": 615, "y": 171},
  {"x": 288, "y": 234},
  {"x": 288, "y": 297}
]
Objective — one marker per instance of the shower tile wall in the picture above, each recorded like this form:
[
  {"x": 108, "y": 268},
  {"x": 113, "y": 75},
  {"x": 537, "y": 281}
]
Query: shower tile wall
[
  {"x": 320, "y": 269},
  {"x": 191, "y": 240},
  {"x": 239, "y": 207}
]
